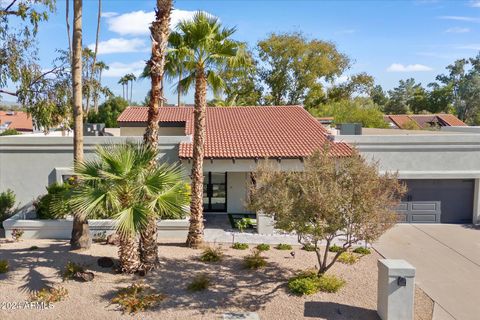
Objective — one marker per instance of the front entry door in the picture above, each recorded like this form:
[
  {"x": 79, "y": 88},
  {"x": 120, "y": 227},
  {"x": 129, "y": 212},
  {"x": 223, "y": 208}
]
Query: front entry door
[{"x": 215, "y": 192}]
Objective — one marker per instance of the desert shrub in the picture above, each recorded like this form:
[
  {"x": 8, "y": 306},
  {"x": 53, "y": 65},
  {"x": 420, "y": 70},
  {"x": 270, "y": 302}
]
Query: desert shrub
[
  {"x": 245, "y": 223},
  {"x": 309, "y": 282},
  {"x": 240, "y": 246},
  {"x": 49, "y": 295},
  {"x": 362, "y": 250},
  {"x": 100, "y": 237},
  {"x": 308, "y": 247},
  {"x": 212, "y": 254},
  {"x": 71, "y": 269},
  {"x": 44, "y": 204},
  {"x": 330, "y": 283},
  {"x": 263, "y": 247},
  {"x": 7, "y": 202},
  {"x": 200, "y": 282},
  {"x": 283, "y": 246},
  {"x": 17, "y": 234},
  {"x": 254, "y": 260},
  {"x": 137, "y": 297},
  {"x": 10, "y": 132},
  {"x": 3, "y": 266},
  {"x": 347, "y": 258},
  {"x": 336, "y": 248}
]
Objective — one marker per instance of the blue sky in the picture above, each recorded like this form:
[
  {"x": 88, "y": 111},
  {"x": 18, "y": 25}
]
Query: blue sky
[{"x": 390, "y": 40}]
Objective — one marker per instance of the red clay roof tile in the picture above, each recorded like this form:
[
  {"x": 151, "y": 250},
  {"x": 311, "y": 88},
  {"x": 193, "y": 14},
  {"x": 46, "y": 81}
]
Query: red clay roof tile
[{"x": 20, "y": 120}]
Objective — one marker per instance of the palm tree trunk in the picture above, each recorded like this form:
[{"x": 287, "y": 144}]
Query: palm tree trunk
[
  {"x": 160, "y": 31},
  {"x": 67, "y": 20},
  {"x": 179, "y": 87},
  {"x": 128, "y": 254},
  {"x": 95, "y": 101},
  {"x": 195, "y": 232},
  {"x": 126, "y": 87},
  {"x": 131, "y": 90},
  {"x": 123, "y": 91},
  {"x": 92, "y": 72},
  {"x": 80, "y": 231}
]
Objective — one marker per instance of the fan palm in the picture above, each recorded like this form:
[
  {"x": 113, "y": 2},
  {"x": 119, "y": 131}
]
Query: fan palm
[
  {"x": 121, "y": 183},
  {"x": 206, "y": 49}
]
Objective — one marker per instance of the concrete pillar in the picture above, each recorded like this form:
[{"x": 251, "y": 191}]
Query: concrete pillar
[
  {"x": 265, "y": 224},
  {"x": 476, "y": 203},
  {"x": 396, "y": 289}
]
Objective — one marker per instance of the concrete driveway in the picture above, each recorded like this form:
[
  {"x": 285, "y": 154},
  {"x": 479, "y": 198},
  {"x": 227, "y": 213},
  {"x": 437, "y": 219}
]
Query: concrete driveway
[{"x": 447, "y": 258}]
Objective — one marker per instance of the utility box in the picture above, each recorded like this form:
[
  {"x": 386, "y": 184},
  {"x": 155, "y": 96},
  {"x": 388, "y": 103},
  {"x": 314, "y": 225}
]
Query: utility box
[
  {"x": 265, "y": 224},
  {"x": 396, "y": 289},
  {"x": 350, "y": 129}
]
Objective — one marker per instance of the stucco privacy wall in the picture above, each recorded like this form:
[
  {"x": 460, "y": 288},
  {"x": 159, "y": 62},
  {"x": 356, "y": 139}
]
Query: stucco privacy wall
[
  {"x": 27, "y": 164},
  {"x": 455, "y": 156}
]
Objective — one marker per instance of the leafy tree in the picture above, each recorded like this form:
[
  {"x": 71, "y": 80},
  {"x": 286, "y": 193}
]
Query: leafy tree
[
  {"x": 293, "y": 65},
  {"x": 121, "y": 184},
  {"x": 7, "y": 203},
  {"x": 358, "y": 84},
  {"x": 359, "y": 110},
  {"x": 440, "y": 98},
  {"x": 342, "y": 199},
  {"x": 379, "y": 96},
  {"x": 402, "y": 98},
  {"x": 108, "y": 112}
]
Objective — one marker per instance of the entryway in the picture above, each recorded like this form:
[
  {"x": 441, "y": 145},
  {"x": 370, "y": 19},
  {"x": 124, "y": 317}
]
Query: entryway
[{"x": 215, "y": 192}]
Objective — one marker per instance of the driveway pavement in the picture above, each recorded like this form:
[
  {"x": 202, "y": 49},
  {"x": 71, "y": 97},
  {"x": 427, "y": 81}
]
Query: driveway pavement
[{"x": 447, "y": 258}]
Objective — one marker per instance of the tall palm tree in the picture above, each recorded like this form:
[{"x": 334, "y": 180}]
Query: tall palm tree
[
  {"x": 120, "y": 183},
  {"x": 159, "y": 31},
  {"x": 94, "y": 62},
  {"x": 207, "y": 49},
  {"x": 174, "y": 64},
  {"x": 124, "y": 82},
  {"x": 99, "y": 67},
  {"x": 80, "y": 231},
  {"x": 131, "y": 78}
]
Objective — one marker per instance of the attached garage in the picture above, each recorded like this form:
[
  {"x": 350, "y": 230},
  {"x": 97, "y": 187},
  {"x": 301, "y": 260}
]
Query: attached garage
[{"x": 454, "y": 195}]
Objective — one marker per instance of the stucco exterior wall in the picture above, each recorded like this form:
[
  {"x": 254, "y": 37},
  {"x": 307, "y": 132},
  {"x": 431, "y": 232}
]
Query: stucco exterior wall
[
  {"x": 236, "y": 192},
  {"x": 29, "y": 164},
  {"x": 162, "y": 131}
]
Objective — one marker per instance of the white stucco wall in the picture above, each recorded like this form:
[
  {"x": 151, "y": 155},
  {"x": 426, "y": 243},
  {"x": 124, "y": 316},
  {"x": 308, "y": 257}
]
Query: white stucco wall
[
  {"x": 236, "y": 192},
  {"x": 162, "y": 131}
]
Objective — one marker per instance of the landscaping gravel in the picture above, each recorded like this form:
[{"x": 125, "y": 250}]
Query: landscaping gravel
[{"x": 234, "y": 289}]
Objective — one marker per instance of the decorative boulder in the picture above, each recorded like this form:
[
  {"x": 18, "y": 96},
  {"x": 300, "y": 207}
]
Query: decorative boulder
[
  {"x": 84, "y": 276},
  {"x": 113, "y": 239},
  {"x": 105, "y": 262}
]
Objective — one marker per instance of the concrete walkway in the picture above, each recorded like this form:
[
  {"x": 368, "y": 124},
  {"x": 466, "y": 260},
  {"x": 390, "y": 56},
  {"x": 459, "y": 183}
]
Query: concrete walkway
[{"x": 447, "y": 258}]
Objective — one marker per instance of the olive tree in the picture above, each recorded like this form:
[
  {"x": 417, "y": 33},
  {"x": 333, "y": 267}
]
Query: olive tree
[{"x": 334, "y": 199}]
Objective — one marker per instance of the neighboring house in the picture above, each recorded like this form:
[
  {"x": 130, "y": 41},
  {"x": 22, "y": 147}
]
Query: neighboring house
[
  {"x": 422, "y": 121},
  {"x": 17, "y": 120}
]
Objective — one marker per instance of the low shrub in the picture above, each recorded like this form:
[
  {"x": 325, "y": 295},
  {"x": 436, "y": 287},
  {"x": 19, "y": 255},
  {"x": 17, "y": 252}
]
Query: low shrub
[
  {"x": 50, "y": 206},
  {"x": 240, "y": 246},
  {"x": 212, "y": 254},
  {"x": 283, "y": 246},
  {"x": 254, "y": 260},
  {"x": 263, "y": 247},
  {"x": 347, "y": 258},
  {"x": 100, "y": 237},
  {"x": 3, "y": 266},
  {"x": 137, "y": 297},
  {"x": 200, "y": 282},
  {"x": 308, "y": 247},
  {"x": 49, "y": 295},
  {"x": 7, "y": 202},
  {"x": 10, "y": 132},
  {"x": 362, "y": 250},
  {"x": 17, "y": 234},
  {"x": 330, "y": 283},
  {"x": 71, "y": 269},
  {"x": 336, "y": 248},
  {"x": 245, "y": 223},
  {"x": 309, "y": 282}
]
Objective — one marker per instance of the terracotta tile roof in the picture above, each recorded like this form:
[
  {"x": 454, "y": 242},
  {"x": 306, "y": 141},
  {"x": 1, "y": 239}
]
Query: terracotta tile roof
[
  {"x": 424, "y": 120},
  {"x": 249, "y": 132},
  {"x": 20, "y": 120}
]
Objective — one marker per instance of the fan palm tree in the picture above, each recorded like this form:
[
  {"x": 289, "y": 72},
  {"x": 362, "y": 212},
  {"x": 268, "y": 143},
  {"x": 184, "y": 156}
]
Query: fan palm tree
[
  {"x": 207, "y": 48},
  {"x": 131, "y": 78},
  {"x": 124, "y": 82},
  {"x": 100, "y": 66},
  {"x": 121, "y": 183}
]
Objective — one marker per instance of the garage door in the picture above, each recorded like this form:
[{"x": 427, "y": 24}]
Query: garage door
[{"x": 455, "y": 197}]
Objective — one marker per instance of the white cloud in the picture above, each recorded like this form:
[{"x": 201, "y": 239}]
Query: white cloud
[
  {"x": 475, "y": 46},
  {"x": 136, "y": 23},
  {"x": 120, "y": 45},
  {"x": 118, "y": 69},
  {"x": 460, "y": 18},
  {"x": 398, "y": 67},
  {"x": 475, "y": 4},
  {"x": 109, "y": 14},
  {"x": 457, "y": 30}
]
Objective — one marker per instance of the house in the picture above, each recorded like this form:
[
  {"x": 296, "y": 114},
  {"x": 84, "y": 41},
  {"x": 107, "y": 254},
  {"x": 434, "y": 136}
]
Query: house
[
  {"x": 18, "y": 120},
  {"x": 422, "y": 121}
]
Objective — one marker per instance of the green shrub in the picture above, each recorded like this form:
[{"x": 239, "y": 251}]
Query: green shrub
[
  {"x": 263, "y": 247},
  {"x": 49, "y": 295},
  {"x": 3, "y": 266},
  {"x": 283, "y": 246},
  {"x": 7, "y": 202},
  {"x": 240, "y": 246},
  {"x": 10, "y": 132},
  {"x": 200, "y": 282},
  {"x": 309, "y": 282},
  {"x": 212, "y": 254},
  {"x": 45, "y": 204},
  {"x": 347, "y": 258},
  {"x": 245, "y": 223},
  {"x": 254, "y": 260},
  {"x": 71, "y": 269},
  {"x": 308, "y": 247},
  {"x": 362, "y": 250},
  {"x": 137, "y": 297},
  {"x": 336, "y": 248},
  {"x": 330, "y": 283}
]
